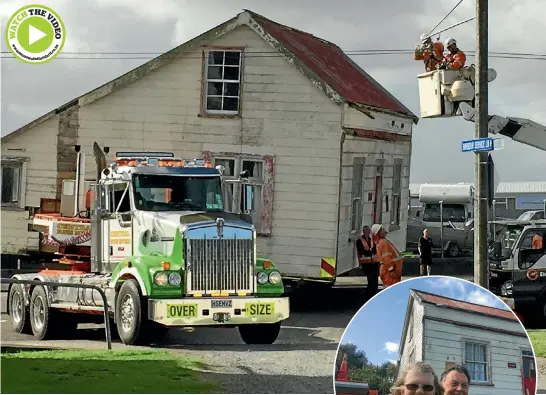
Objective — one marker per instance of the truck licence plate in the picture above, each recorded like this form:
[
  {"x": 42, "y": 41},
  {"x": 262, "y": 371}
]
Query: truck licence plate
[
  {"x": 221, "y": 304},
  {"x": 257, "y": 309}
]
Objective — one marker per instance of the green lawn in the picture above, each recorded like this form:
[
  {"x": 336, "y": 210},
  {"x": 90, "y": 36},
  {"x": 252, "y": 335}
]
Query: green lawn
[
  {"x": 83, "y": 371},
  {"x": 538, "y": 338}
]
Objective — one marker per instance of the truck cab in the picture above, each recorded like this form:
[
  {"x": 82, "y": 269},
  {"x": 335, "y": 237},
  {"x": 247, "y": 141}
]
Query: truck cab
[{"x": 517, "y": 265}]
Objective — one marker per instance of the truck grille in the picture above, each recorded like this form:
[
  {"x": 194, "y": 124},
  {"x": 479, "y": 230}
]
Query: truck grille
[{"x": 220, "y": 265}]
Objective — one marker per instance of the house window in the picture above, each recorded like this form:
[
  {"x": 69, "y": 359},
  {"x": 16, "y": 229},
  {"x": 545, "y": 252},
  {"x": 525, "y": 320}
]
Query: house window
[
  {"x": 396, "y": 193},
  {"x": 377, "y": 216},
  {"x": 476, "y": 361},
  {"x": 259, "y": 177},
  {"x": 222, "y": 82},
  {"x": 357, "y": 194},
  {"x": 12, "y": 183}
]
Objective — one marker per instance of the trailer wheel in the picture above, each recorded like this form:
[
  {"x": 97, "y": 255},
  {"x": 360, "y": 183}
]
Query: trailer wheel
[
  {"x": 45, "y": 321},
  {"x": 260, "y": 333},
  {"x": 18, "y": 311}
]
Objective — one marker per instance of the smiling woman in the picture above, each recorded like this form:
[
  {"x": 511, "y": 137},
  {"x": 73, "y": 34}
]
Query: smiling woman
[{"x": 436, "y": 327}]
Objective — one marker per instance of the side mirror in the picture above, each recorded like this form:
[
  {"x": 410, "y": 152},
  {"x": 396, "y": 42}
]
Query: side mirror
[
  {"x": 497, "y": 248},
  {"x": 469, "y": 215},
  {"x": 248, "y": 199},
  {"x": 418, "y": 214},
  {"x": 244, "y": 174}
]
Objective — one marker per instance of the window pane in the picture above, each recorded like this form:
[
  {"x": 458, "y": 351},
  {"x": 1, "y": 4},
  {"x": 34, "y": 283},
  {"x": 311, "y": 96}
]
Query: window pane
[
  {"x": 233, "y": 58},
  {"x": 229, "y": 165},
  {"x": 231, "y": 104},
  {"x": 354, "y": 214},
  {"x": 231, "y": 73},
  {"x": 7, "y": 184},
  {"x": 216, "y": 57},
  {"x": 214, "y": 73},
  {"x": 214, "y": 89},
  {"x": 254, "y": 168},
  {"x": 231, "y": 89},
  {"x": 214, "y": 103}
]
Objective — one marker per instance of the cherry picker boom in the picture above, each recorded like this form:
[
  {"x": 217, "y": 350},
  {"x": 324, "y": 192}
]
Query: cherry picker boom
[{"x": 451, "y": 93}]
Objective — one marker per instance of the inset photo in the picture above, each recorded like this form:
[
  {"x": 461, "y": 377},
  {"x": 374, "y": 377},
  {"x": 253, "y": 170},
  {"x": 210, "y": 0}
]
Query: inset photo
[{"x": 435, "y": 335}]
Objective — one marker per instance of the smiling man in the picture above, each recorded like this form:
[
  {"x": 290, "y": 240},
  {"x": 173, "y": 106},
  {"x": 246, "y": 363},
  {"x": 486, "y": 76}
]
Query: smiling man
[{"x": 455, "y": 380}]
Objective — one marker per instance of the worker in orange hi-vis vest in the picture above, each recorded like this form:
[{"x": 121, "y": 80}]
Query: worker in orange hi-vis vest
[
  {"x": 455, "y": 59},
  {"x": 430, "y": 53},
  {"x": 537, "y": 242},
  {"x": 390, "y": 260}
]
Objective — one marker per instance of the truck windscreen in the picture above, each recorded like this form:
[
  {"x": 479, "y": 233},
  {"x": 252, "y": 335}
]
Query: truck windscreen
[{"x": 177, "y": 193}]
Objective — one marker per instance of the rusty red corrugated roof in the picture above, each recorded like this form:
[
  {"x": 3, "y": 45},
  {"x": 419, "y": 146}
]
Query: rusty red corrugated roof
[
  {"x": 459, "y": 304},
  {"x": 333, "y": 66}
]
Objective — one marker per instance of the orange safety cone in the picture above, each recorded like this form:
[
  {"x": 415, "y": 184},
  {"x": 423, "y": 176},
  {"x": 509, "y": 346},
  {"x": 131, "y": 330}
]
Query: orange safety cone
[{"x": 343, "y": 373}]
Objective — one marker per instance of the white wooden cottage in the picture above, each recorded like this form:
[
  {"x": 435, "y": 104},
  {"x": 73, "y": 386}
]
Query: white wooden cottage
[
  {"x": 490, "y": 342},
  {"x": 328, "y": 147}
]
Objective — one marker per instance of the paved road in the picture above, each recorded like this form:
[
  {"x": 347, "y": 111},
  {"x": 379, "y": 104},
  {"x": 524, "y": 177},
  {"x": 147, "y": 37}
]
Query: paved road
[{"x": 301, "y": 361}]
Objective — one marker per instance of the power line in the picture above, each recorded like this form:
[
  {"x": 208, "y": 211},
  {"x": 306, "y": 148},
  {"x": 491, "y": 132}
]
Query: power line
[
  {"x": 273, "y": 55},
  {"x": 445, "y": 17},
  {"x": 348, "y": 52}
]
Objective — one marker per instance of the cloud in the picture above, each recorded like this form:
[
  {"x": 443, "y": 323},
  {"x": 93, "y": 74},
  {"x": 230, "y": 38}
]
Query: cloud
[
  {"x": 393, "y": 361},
  {"x": 116, "y": 26},
  {"x": 450, "y": 286},
  {"x": 484, "y": 298},
  {"x": 391, "y": 347}
]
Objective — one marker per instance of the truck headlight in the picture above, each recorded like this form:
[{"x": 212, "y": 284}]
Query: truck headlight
[
  {"x": 161, "y": 278},
  {"x": 175, "y": 279},
  {"x": 262, "y": 278},
  {"x": 507, "y": 288},
  {"x": 275, "y": 278}
]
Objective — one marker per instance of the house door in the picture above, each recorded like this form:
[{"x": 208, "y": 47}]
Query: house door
[{"x": 529, "y": 373}]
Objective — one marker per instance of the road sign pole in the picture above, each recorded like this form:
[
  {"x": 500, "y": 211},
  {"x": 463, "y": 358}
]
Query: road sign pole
[
  {"x": 481, "y": 162},
  {"x": 442, "y": 227}
]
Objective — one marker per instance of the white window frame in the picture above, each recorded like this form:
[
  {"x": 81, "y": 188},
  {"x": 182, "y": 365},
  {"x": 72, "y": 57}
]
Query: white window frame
[
  {"x": 222, "y": 80},
  {"x": 396, "y": 199},
  {"x": 238, "y": 188},
  {"x": 357, "y": 193},
  {"x": 21, "y": 164},
  {"x": 488, "y": 370}
]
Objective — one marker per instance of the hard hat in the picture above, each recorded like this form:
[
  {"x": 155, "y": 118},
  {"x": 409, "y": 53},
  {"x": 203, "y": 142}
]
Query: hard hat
[
  {"x": 376, "y": 228},
  {"x": 450, "y": 41}
]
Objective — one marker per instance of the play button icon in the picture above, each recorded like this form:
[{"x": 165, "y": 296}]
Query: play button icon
[{"x": 34, "y": 34}]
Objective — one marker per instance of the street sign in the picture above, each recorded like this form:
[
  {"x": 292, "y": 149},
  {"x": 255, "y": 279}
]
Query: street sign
[{"x": 485, "y": 144}]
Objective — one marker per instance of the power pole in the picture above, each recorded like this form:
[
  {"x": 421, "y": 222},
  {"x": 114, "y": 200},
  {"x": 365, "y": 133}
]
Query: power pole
[{"x": 481, "y": 269}]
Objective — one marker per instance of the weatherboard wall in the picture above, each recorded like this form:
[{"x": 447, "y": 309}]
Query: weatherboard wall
[
  {"x": 412, "y": 350},
  {"x": 38, "y": 147},
  {"x": 283, "y": 115},
  {"x": 372, "y": 150},
  {"x": 443, "y": 343}
]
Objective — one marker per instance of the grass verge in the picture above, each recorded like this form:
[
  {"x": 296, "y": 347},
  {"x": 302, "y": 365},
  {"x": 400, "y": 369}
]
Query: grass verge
[
  {"x": 108, "y": 371},
  {"x": 538, "y": 338}
]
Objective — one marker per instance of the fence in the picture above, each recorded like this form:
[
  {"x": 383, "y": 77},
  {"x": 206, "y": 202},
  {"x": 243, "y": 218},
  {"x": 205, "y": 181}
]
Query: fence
[{"x": 70, "y": 285}]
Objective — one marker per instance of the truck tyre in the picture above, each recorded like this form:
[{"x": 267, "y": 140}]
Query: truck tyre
[
  {"x": 18, "y": 311},
  {"x": 260, "y": 333},
  {"x": 45, "y": 321},
  {"x": 453, "y": 250},
  {"x": 132, "y": 322}
]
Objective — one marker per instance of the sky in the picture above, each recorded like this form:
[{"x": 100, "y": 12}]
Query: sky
[
  {"x": 377, "y": 327},
  {"x": 98, "y": 26}
]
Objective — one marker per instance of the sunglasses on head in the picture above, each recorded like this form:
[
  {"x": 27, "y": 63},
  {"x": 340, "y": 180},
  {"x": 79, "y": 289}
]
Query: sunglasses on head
[{"x": 415, "y": 387}]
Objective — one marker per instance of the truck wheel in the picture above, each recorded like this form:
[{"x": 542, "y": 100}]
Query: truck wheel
[
  {"x": 45, "y": 321},
  {"x": 131, "y": 315},
  {"x": 18, "y": 312},
  {"x": 453, "y": 250},
  {"x": 260, "y": 333}
]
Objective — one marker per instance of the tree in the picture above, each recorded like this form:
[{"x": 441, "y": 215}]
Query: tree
[{"x": 356, "y": 358}]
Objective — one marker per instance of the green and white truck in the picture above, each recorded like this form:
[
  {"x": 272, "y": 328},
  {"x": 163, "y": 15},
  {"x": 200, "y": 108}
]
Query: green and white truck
[{"x": 162, "y": 247}]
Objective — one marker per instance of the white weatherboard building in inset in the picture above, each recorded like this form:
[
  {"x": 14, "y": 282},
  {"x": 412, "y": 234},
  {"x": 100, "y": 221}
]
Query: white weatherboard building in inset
[{"x": 490, "y": 342}]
